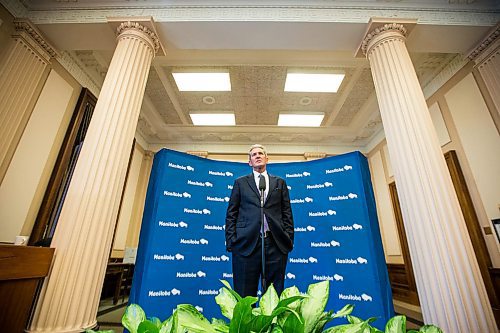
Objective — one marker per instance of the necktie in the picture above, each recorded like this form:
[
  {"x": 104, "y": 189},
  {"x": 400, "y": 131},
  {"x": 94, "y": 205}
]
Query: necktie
[{"x": 262, "y": 184}]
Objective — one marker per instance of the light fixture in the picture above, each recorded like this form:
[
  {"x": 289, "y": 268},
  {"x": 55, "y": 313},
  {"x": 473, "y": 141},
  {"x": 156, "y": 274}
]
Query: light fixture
[
  {"x": 212, "y": 118},
  {"x": 313, "y": 82},
  {"x": 311, "y": 119},
  {"x": 202, "y": 81}
]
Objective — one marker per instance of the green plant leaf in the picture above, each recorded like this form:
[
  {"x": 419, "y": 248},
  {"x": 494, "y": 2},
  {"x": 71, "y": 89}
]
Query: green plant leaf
[
  {"x": 133, "y": 316},
  {"x": 293, "y": 303},
  {"x": 234, "y": 293},
  {"x": 262, "y": 323},
  {"x": 227, "y": 301},
  {"x": 396, "y": 324},
  {"x": 242, "y": 315},
  {"x": 312, "y": 307},
  {"x": 147, "y": 327},
  {"x": 155, "y": 321},
  {"x": 323, "y": 319},
  {"x": 293, "y": 324},
  {"x": 220, "y": 325},
  {"x": 170, "y": 325},
  {"x": 193, "y": 320},
  {"x": 338, "y": 328},
  {"x": 269, "y": 301},
  {"x": 354, "y": 320},
  {"x": 276, "y": 329},
  {"x": 346, "y": 310},
  {"x": 430, "y": 329},
  {"x": 291, "y": 292}
]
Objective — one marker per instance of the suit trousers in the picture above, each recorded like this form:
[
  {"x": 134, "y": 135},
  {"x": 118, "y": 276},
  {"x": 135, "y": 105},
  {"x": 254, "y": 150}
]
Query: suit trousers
[{"x": 247, "y": 270}]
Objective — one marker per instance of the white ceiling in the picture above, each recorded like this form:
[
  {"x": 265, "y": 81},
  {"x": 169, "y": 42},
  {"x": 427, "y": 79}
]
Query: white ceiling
[{"x": 258, "y": 42}]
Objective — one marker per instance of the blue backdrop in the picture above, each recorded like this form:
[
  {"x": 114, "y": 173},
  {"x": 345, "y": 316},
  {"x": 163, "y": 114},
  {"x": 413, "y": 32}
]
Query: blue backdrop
[{"x": 181, "y": 255}]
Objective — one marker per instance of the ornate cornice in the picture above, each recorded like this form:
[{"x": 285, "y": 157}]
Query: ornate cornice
[
  {"x": 379, "y": 30},
  {"x": 485, "y": 44},
  {"x": 25, "y": 26},
  {"x": 139, "y": 27},
  {"x": 77, "y": 70}
]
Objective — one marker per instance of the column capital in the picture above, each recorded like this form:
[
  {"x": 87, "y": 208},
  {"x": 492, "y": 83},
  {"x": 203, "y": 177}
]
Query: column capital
[
  {"x": 27, "y": 30},
  {"x": 140, "y": 27},
  {"x": 379, "y": 26}
]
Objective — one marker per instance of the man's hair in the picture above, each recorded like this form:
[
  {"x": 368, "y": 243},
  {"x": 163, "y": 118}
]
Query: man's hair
[{"x": 256, "y": 146}]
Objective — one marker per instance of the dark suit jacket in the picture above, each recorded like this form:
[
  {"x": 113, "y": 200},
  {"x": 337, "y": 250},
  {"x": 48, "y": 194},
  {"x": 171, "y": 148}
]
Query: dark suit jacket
[{"x": 243, "y": 215}]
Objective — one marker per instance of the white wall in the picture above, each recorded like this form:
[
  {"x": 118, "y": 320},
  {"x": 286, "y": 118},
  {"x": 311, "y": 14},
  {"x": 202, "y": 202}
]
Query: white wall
[
  {"x": 126, "y": 210},
  {"x": 26, "y": 179},
  {"x": 387, "y": 221},
  {"x": 481, "y": 143}
]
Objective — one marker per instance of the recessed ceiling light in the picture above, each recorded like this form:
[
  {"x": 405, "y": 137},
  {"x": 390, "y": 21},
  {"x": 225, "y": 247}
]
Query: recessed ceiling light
[
  {"x": 313, "y": 82},
  {"x": 202, "y": 81},
  {"x": 305, "y": 101},
  {"x": 212, "y": 118},
  {"x": 208, "y": 100},
  {"x": 301, "y": 120}
]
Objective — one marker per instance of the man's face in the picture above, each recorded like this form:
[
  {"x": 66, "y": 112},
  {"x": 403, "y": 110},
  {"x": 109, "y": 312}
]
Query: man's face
[{"x": 258, "y": 159}]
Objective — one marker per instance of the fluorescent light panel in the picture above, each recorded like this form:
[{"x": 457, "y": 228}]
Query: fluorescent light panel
[
  {"x": 300, "y": 120},
  {"x": 212, "y": 119},
  {"x": 202, "y": 81},
  {"x": 303, "y": 82}
]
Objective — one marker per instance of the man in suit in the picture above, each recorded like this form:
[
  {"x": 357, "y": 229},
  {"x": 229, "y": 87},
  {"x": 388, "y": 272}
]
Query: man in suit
[{"x": 243, "y": 227}]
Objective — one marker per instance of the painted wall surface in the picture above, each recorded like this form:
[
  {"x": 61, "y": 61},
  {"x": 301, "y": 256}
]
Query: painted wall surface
[
  {"x": 480, "y": 140},
  {"x": 25, "y": 181},
  {"x": 388, "y": 227},
  {"x": 126, "y": 211}
]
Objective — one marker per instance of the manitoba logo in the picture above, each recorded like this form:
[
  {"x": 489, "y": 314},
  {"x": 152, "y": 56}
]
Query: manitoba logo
[
  {"x": 363, "y": 297},
  {"x": 206, "y": 292},
  {"x": 338, "y": 277},
  {"x": 341, "y": 169},
  {"x": 220, "y": 173},
  {"x": 343, "y": 197},
  {"x": 325, "y": 244},
  {"x": 299, "y": 201},
  {"x": 311, "y": 260},
  {"x": 167, "y": 257},
  {"x": 218, "y": 199},
  {"x": 290, "y": 276},
  {"x": 320, "y": 185},
  {"x": 355, "y": 226},
  {"x": 329, "y": 212},
  {"x": 202, "y": 184},
  {"x": 309, "y": 228},
  {"x": 297, "y": 175},
  {"x": 349, "y": 261},
  {"x": 180, "y": 167},
  {"x": 180, "y": 224},
  {"x": 202, "y": 241},
  {"x": 160, "y": 293},
  {"x": 198, "y": 274},
  {"x": 214, "y": 227},
  {"x": 215, "y": 258}
]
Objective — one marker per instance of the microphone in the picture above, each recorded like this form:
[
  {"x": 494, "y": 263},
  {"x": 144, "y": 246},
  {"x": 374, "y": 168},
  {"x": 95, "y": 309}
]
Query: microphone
[{"x": 262, "y": 183}]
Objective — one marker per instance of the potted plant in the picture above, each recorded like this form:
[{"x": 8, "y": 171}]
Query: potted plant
[{"x": 292, "y": 312}]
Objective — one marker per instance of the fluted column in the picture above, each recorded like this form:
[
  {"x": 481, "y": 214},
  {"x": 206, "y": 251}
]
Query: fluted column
[
  {"x": 24, "y": 71},
  {"x": 487, "y": 59},
  {"x": 70, "y": 295},
  {"x": 452, "y": 294}
]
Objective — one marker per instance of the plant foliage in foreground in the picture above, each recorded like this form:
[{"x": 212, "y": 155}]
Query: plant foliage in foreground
[{"x": 293, "y": 312}]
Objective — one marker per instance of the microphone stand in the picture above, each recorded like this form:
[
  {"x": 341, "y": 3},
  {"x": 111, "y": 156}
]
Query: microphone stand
[{"x": 263, "y": 281}]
